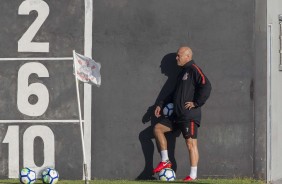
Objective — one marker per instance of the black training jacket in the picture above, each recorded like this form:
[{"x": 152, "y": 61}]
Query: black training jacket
[{"x": 192, "y": 86}]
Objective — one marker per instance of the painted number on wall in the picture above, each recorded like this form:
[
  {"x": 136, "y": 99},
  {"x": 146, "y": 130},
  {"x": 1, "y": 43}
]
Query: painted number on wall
[
  {"x": 25, "y": 43},
  {"x": 12, "y": 138},
  {"x": 24, "y": 90}
]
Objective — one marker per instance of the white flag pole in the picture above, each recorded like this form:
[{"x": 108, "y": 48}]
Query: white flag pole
[{"x": 80, "y": 121}]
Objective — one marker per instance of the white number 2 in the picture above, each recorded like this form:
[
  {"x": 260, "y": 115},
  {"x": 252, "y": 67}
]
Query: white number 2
[{"x": 25, "y": 43}]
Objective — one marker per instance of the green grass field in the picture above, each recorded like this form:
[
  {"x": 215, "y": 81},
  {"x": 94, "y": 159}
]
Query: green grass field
[{"x": 202, "y": 181}]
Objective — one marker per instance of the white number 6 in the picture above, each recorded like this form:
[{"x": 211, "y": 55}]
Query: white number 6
[
  {"x": 38, "y": 89},
  {"x": 25, "y": 43}
]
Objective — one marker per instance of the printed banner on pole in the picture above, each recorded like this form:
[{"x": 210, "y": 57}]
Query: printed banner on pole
[{"x": 86, "y": 69}]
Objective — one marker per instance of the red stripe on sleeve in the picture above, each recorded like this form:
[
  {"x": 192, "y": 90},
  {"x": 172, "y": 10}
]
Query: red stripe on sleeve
[{"x": 201, "y": 73}]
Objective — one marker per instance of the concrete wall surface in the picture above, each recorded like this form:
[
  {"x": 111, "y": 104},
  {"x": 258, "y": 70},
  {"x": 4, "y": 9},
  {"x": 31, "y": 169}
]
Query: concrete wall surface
[
  {"x": 260, "y": 90},
  {"x": 136, "y": 41},
  {"x": 274, "y": 9},
  {"x": 38, "y": 106}
]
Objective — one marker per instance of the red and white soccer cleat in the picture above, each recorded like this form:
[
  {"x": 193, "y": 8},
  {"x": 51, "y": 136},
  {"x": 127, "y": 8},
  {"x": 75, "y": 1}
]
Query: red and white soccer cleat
[
  {"x": 188, "y": 178},
  {"x": 162, "y": 165}
]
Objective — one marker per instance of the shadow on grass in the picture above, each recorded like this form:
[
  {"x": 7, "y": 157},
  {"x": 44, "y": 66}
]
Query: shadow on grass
[
  {"x": 192, "y": 182},
  {"x": 16, "y": 182}
]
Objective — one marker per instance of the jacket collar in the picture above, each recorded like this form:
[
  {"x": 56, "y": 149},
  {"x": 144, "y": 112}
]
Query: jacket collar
[{"x": 189, "y": 64}]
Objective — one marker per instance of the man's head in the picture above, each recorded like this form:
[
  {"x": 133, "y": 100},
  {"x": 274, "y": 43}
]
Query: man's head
[{"x": 184, "y": 55}]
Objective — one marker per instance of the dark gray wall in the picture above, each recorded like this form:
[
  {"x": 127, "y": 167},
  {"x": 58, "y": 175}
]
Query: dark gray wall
[
  {"x": 135, "y": 41},
  {"x": 260, "y": 89},
  {"x": 59, "y": 31}
]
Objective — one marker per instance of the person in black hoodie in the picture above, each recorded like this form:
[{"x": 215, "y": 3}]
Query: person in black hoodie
[{"x": 191, "y": 92}]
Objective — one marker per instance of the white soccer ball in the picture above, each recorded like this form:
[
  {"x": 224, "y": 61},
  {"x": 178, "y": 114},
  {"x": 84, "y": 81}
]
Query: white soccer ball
[
  {"x": 168, "y": 109},
  {"x": 27, "y": 176},
  {"x": 50, "y": 176},
  {"x": 167, "y": 174}
]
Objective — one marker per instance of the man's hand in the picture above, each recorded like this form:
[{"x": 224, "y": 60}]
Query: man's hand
[
  {"x": 189, "y": 105},
  {"x": 158, "y": 111}
]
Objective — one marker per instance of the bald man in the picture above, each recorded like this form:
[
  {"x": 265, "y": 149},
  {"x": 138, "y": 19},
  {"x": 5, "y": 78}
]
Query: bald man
[{"x": 191, "y": 92}]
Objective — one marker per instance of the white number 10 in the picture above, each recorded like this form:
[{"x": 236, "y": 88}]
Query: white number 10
[{"x": 12, "y": 138}]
